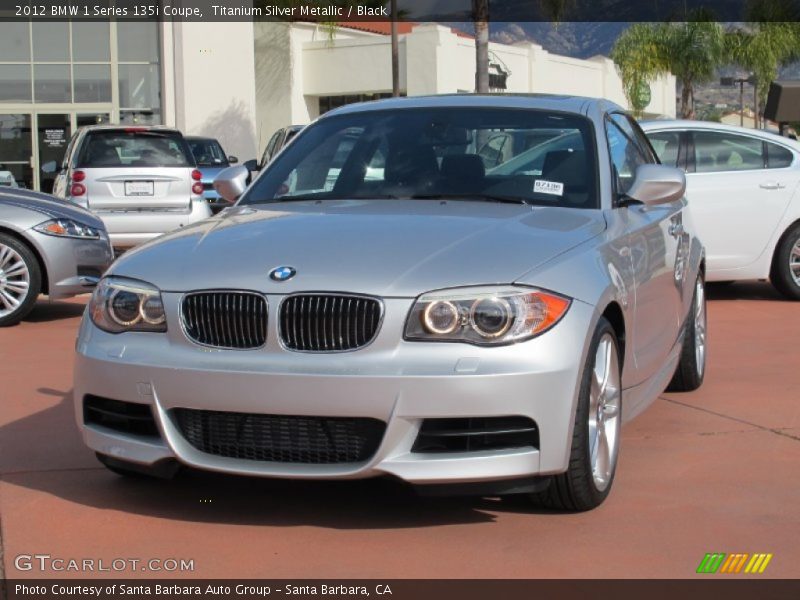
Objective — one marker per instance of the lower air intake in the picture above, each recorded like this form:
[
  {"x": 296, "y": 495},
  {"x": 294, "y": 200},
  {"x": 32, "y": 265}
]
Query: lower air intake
[{"x": 281, "y": 438}]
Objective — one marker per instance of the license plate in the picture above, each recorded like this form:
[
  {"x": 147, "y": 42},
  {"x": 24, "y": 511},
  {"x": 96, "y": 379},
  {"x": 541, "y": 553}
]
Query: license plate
[{"x": 138, "y": 188}]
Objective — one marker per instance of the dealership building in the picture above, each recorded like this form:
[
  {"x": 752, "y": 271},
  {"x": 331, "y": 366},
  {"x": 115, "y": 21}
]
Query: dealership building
[{"x": 240, "y": 81}]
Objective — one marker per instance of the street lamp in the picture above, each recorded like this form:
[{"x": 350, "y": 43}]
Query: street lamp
[{"x": 740, "y": 81}]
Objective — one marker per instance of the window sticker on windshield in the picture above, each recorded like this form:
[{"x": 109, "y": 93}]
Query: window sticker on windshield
[{"x": 542, "y": 186}]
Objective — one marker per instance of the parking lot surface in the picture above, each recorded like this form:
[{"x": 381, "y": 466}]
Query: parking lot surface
[{"x": 717, "y": 470}]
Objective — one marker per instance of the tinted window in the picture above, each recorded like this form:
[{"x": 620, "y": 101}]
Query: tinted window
[
  {"x": 633, "y": 132},
  {"x": 666, "y": 145},
  {"x": 208, "y": 153},
  {"x": 718, "y": 152},
  {"x": 778, "y": 157},
  {"x": 438, "y": 152},
  {"x": 134, "y": 148},
  {"x": 626, "y": 157}
]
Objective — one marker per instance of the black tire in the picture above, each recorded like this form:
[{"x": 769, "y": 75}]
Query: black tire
[
  {"x": 34, "y": 274},
  {"x": 123, "y": 468},
  {"x": 576, "y": 489},
  {"x": 781, "y": 274},
  {"x": 691, "y": 369}
]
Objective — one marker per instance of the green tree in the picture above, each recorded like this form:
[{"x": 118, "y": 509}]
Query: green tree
[{"x": 692, "y": 51}]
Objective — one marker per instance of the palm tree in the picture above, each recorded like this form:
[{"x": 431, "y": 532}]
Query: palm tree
[
  {"x": 761, "y": 48},
  {"x": 691, "y": 51}
]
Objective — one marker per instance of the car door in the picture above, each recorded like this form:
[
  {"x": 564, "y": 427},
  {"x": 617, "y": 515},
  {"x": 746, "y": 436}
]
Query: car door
[
  {"x": 738, "y": 187},
  {"x": 653, "y": 234}
]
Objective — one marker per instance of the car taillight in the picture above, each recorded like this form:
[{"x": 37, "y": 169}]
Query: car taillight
[
  {"x": 197, "y": 189},
  {"x": 197, "y": 175},
  {"x": 77, "y": 189},
  {"x": 78, "y": 176}
]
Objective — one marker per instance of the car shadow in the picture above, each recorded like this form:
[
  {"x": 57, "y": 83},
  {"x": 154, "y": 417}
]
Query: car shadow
[
  {"x": 45, "y": 311},
  {"x": 205, "y": 497},
  {"x": 755, "y": 290}
]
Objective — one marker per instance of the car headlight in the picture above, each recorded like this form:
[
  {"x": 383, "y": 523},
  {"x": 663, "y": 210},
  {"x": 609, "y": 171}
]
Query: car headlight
[
  {"x": 484, "y": 316},
  {"x": 119, "y": 305},
  {"x": 68, "y": 228}
]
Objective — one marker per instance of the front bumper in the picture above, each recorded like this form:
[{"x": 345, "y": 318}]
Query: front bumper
[
  {"x": 400, "y": 383},
  {"x": 73, "y": 266}
]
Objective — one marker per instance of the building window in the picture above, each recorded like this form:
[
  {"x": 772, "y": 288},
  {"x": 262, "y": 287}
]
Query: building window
[
  {"x": 15, "y": 83},
  {"x": 71, "y": 63}
]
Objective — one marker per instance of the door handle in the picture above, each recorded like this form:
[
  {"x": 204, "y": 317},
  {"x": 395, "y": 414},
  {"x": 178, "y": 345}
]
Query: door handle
[
  {"x": 676, "y": 229},
  {"x": 772, "y": 185}
]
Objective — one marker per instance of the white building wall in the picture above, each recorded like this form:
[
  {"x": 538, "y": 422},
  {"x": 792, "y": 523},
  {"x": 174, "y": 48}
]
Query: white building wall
[
  {"x": 434, "y": 60},
  {"x": 210, "y": 89}
]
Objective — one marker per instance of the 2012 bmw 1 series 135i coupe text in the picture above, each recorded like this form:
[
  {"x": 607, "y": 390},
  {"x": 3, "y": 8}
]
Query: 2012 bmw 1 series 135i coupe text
[{"x": 463, "y": 292}]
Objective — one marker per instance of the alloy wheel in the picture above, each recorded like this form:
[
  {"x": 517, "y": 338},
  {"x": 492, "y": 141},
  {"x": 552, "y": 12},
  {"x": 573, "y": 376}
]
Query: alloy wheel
[
  {"x": 794, "y": 262},
  {"x": 700, "y": 327},
  {"x": 15, "y": 280},
  {"x": 604, "y": 412}
]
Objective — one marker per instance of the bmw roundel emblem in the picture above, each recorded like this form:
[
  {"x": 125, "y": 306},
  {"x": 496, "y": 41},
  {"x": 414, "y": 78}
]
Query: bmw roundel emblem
[{"x": 282, "y": 273}]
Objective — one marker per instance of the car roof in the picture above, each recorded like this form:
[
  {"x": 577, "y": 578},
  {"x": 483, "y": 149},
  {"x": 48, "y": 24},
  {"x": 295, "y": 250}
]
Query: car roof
[
  {"x": 553, "y": 102},
  {"x": 163, "y": 128},
  {"x": 200, "y": 138},
  {"x": 709, "y": 125}
]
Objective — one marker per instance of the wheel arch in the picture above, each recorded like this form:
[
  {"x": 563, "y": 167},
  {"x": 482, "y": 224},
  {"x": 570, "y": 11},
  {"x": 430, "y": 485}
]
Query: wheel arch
[
  {"x": 614, "y": 315},
  {"x": 779, "y": 242},
  {"x": 36, "y": 253}
]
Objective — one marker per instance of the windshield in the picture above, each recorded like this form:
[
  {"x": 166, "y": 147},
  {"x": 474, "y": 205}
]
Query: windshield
[
  {"x": 531, "y": 156},
  {"x": 208, "y": 153},
  {"x": 134, "y": 148}
]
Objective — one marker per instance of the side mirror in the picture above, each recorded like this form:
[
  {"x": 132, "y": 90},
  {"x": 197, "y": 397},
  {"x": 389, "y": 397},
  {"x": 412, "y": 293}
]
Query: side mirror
[
  {"x": 657, "y": 184},
  {"x": 233, "y": 160},
  {"x": 251, "y": 165},
  {"x": 231, "y": 183}
]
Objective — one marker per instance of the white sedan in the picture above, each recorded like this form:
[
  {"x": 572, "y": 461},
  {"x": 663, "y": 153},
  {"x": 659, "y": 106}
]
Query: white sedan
[{"x": 743, "y": 187}]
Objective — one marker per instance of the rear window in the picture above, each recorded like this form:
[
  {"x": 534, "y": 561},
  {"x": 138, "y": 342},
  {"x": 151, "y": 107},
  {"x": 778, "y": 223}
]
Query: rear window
[{"x": 134, "y": 148}]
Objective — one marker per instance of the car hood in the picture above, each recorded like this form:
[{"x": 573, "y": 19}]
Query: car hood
[
  {"x": 382, "y": 247},
  {"x": 49, "y": 207}
]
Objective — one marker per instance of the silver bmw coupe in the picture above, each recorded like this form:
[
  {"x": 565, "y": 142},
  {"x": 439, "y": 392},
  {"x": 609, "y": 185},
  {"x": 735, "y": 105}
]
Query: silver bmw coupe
[{"x": 468, "y": 293}]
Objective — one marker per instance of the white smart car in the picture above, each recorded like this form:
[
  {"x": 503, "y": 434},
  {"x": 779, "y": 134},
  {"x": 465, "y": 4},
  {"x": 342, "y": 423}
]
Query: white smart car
[{"x": 743, "y": 187}]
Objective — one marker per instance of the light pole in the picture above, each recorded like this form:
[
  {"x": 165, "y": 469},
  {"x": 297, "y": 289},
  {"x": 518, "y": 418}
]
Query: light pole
[{"x": 740, "y": 81}]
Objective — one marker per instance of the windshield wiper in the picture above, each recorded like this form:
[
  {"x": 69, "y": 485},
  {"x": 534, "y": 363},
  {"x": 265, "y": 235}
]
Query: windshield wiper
[{"x": 472, "y": 197}]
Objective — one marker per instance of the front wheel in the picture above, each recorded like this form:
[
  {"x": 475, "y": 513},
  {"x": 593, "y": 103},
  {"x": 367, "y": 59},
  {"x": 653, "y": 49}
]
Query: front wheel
[
  {"x": 692, "y": 364},
  {"x": 785, "y": 275},
  {"x": 596, "y": 433},
  {"x": 20, "y": 280}
]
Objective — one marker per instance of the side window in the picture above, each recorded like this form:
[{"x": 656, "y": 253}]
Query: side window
[
  {"x": 495, "y": 151},
  {"x": 626, "y": 156},
  {"x": 666, "y": 144},
  {"x": 717, "y": 152},
  {"x": 634, "y": 133},
  {"x": 321, "y": 171},
  {"x": 270, "y": 148},
  {"x": 68, "y": 152},
  {"x": 778, "y": 157}
]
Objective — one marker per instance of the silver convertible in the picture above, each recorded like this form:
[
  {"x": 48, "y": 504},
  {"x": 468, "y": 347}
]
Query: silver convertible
[{"x": 387, "y": 299}]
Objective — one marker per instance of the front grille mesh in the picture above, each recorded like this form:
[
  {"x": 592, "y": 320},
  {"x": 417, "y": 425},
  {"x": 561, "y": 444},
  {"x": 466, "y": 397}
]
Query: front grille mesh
[
  {"x": 328, "y": 323},
  {"x": 233, "y": 320},
  {"x": 281, "y": 438}
]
